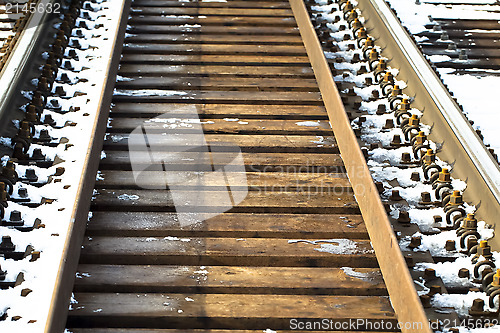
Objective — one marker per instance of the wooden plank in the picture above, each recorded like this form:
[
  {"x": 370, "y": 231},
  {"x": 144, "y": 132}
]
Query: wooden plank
[
  {"x": 213, "y": 20},
  {"x": 230, "y": 280},
  {"x": 236, "y": 225},
  {"x": 267, "y": 252},
  {"x": 199, "y": 59},
  {"x": 269, "y": 50},
  {"x": 227, "y": 310},
  {"x": 218, "y": 83},
  {"x": 213, "y": 39},
  {"x": 243, "y": 126},
  {"x": 315, "y": 112},
  {"x": 466, "y": 24},
  {"x": 299, "y": 201},
  {"x": 210, "y": 96},
  {"x": 264, "y": 162},
  {"x": 140, "y": 70},
  {"x": 466, "y": 43},
  {"x": 224, "y": 11},
  {"x": 213, "y": 29},
  {"x": 255, "y": 180},
  {"x": 213, "y": 4},
  {"x": 247, "y": 143}
]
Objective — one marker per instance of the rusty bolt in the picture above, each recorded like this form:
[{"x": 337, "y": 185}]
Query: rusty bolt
[
  {"x": 389, "y": 123},
  {"x": 429, "y": 157},
  {"x": 24, "y": 131},
  {"x": 396, "y": 141},
  {"x": 456, "y": 198},
  {"x": 368, "y": 80},
  {"x": 426, "y": 301},
  {"x": 381, "y": 109},
  {"x": 463, "y": 273},
  {"x": 425, "y": 198},
  {"x": 415, "y": 242},
  {"x": 388, "y": 78},
  {"x": 361, "y": 33},
  {"x": 477, "y": 305},
  {"x": 415, "y": 176},
  {"x": 30, "y": 175},
  {"x": 444, "y": 176},
  {"x": 405, "y": 158},
  {"x": 420, "y": 138},
  {"x": 450, "y": 245},
  {"x": 373, "y": 55},
  {"x": 355, "y": 58},
  {"x": 6, "y": 245},
  {"x": 60, "y": 91},
  {"x": 434, "y": 289},
  {"x": 369, "y": 42},
  {"x": 9, "y": 170},
  {"x": 375, "y": 94},
  {"x": 31, "y": 114},
  {"x": 404, "y": 105},
  {"x": 37, "y": 155},
  {"x": 396, "y": 91},
  {"x": 22, "y": 192},
  {"x": 471, "y": 242},
  {"x": 404, "y": 217},
  {"x": 414, "y": 120},
  {"x": 374, "y": 145},
  {"x": 429, "y": 274},
  {"x": 382, "y": 65},
  {"x": 496, "y": 279},
  {"x": 470, "y": 222},
  {"x": 362, "y": 70},
  {"x": 395, "y": 196}
]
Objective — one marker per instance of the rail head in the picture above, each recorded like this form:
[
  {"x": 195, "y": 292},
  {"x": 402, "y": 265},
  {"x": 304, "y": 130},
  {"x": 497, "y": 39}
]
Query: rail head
[
  {"x": 451, "y": 127},
  {"x": 401, "y": 289},
  {"x": 12, "y": 71}
]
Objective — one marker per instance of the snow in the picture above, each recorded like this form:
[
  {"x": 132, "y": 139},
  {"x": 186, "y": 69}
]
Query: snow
[
  {"x": 149, "y": 92},
  {"x": 473, "y": 87},
  {"x": 333, "y": 246},
  {"x": 308, "y": 123}
]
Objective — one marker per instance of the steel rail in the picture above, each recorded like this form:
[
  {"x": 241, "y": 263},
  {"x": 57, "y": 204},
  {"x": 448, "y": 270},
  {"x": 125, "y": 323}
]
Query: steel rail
[
  {"x": 461, "y": 146},
  {"x": 14, "y": 69},
  {"x": 400, "y": 286},
  {"x": 59, "y": 304}
]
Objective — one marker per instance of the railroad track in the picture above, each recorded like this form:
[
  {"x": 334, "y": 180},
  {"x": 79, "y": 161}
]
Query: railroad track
[
  {"x": 231, "y": 193},
  {"x": 254, "y": 266}
]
